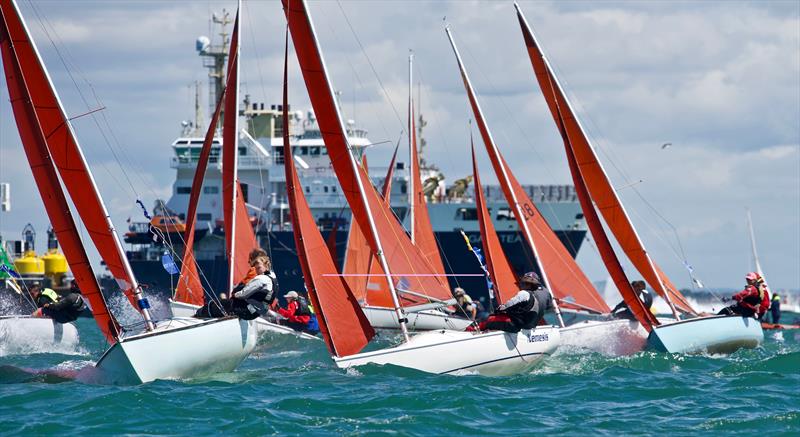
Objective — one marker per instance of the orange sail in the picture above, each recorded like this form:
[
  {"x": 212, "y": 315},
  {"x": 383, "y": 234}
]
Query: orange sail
[
  {"x": 410, "y": 271},
  {"x": 240, "y": 239},
  {"x": 500, "y": 271},
  {"x": 597, "y": 182},
  {"x": 419, "y": 220},
  {"x": 190, "y": 289},
  {"x": 65, "y": 152},
  {"x": 370, "y": 288},
  {"x": 343, "y": 325},
  {"x": 44, "y": 169},
  {"x": 559, "y": 270}
]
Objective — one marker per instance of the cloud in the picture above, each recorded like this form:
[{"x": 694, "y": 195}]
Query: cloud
[{"x": 717, "y": 79}]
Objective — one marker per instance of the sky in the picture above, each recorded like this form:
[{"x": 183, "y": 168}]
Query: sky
[{"x": 719, "y": 80}]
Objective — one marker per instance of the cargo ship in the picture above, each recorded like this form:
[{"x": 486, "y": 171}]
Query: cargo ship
[{"x": 261, "y": 174}]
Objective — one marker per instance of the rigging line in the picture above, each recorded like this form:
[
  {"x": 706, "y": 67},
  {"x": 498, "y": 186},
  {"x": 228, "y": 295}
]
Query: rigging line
[
  {"x": 531, "y": 146},
  {"x": 42, "y": 21},
  {"x": 360, "y": 83},
  {"x": 375, "y": 72}
]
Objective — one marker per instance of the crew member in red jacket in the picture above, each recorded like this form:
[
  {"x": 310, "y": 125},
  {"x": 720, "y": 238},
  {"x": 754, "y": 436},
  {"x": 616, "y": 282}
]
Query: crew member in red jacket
[
  {"x": 753, "y": 301},
  {"x": 299, "y": 315}
]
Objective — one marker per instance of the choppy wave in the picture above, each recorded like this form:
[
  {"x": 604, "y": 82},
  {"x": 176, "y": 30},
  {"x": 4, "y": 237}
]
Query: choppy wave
[{"x": 291, "y": 386}]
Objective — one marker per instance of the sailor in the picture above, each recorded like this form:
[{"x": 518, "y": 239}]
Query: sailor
[
  {"x": 622, "y": 311},
  {"x": 257, "y": 294},
  {"x": 61, "y": 309},
  {"x": 775, "y": 308},
  {"x": 753, "y": 301},
  {"x": 523, "y": 311},
  {"x": 298, "y": 314},
  {"x": 465, "y": 303}
]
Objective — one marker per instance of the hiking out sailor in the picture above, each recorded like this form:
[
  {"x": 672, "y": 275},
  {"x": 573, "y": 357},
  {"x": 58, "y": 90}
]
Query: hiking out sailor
[
  {"x": 775, "y": 308},
  {"x": 753, "y": 301},
  {"x": 61, "y": 309},
  {"x": 523, "y": 311},
  {"x": 466, "y": 306},
  {"x": 299, "y": 314},
  {"x": 622, "y": 311},
  {"x": 251, "y": 298}
]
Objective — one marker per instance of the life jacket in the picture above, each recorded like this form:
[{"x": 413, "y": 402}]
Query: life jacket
[
  {"x": 527, "y": 306},
  {"x": 302, "y": 307},
  {"x": 755, "y": 295}
]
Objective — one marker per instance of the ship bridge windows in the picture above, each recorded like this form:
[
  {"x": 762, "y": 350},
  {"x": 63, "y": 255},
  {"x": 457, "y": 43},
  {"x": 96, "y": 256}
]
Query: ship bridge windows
[
  {"x": 504, "y": 214},
  {"x": 183, "y": 190},
  {"x": 467, "y": 214},
  {"x": 211, "y": 190},
  {"x": 314, "y": 150},
  {"x": 204, "y": 217}
]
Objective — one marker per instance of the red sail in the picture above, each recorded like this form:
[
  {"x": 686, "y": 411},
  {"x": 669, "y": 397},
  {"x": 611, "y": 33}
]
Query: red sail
[
  {"x": 344, "y": 326},
  {"x": 642, "y": 313},
  {"x": 568, "y": 282},
  {"x": 370, "y": 288},
  {"x": 597, "y": 182},
  {"x": 500, "y": 271},
  {"x": 45, "y": 174},
  {"x": 420, "y": 224},
  {"x": 190, "y": 288},
  {"x": 409, "y": 268},
  {"x": 65, "y": 152},
  {"x": 240, "y": 239}
]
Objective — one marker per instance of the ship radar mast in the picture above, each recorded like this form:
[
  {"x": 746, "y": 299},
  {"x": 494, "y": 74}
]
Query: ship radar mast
[{"x": 214, "y": 57}]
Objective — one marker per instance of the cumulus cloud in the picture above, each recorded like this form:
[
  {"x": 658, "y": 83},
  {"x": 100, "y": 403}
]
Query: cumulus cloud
[{"x": 717, "y": 79}]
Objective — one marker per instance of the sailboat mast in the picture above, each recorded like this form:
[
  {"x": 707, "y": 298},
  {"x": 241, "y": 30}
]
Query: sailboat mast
[
  {"x": 753, "y": 243},
  {"x": 504, "y": 174},
  {"x": 412, "y": 159},
  {"x": 599, "y": 163},
  {"x": 133, "y": 284},
  {"x": 312, "y": 35}
]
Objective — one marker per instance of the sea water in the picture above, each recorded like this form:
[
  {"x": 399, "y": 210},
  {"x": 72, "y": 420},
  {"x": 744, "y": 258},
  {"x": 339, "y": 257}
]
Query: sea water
[{"x": 291, "y": 386}]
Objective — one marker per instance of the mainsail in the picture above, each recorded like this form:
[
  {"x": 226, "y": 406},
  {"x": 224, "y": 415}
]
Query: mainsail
[
  {"x": 410, "y": 271},
  {"x": 343, "y": 325},
  {"x": 500, "y": 271},
  {"x": 53, "y": 151},
  {"x": 190, "y": 288},
  {"x": 240, "y": 239},
  {"x": 370, "y": 288},
  {"x": 419, "y": 220},
  {"x": 597, "y": 182},
  {"x": 558, "y": 269}
]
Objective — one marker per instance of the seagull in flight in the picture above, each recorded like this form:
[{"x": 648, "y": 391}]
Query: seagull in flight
[{"x": 665, "y": 145}]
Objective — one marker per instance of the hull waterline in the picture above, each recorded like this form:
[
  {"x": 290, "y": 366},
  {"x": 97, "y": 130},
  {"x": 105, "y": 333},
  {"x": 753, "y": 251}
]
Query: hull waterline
[
  {"x": 713, "y": 334},
  {"x": 179, "y": 348},
  {"x": 493, "y": 353}
]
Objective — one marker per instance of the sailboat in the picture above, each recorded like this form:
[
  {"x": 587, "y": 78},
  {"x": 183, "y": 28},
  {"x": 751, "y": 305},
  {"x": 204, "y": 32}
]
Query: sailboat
[
  {"x": 560, "y": 273},
  {"x": 376, "y": 301},
  {"x": 713, "y": 334},
  {"x": 240, "y": 238},
  {"x": 342, "y": 322},
  {"x": 153, "y": 349},
  {"x": 23, "y": 334}
]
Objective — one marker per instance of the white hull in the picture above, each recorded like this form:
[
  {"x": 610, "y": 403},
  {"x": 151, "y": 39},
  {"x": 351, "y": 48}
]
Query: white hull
[
  {"x": 179, "y": 348},
  {"x": 427, "y": 320},
  {"x": 264, "y": 327},
  {"x": 27, "y": 335},
  {"x": 710, "y": 334},
  {"x": 611, "y": 337},
  {"x": 493, "y": 353}
]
